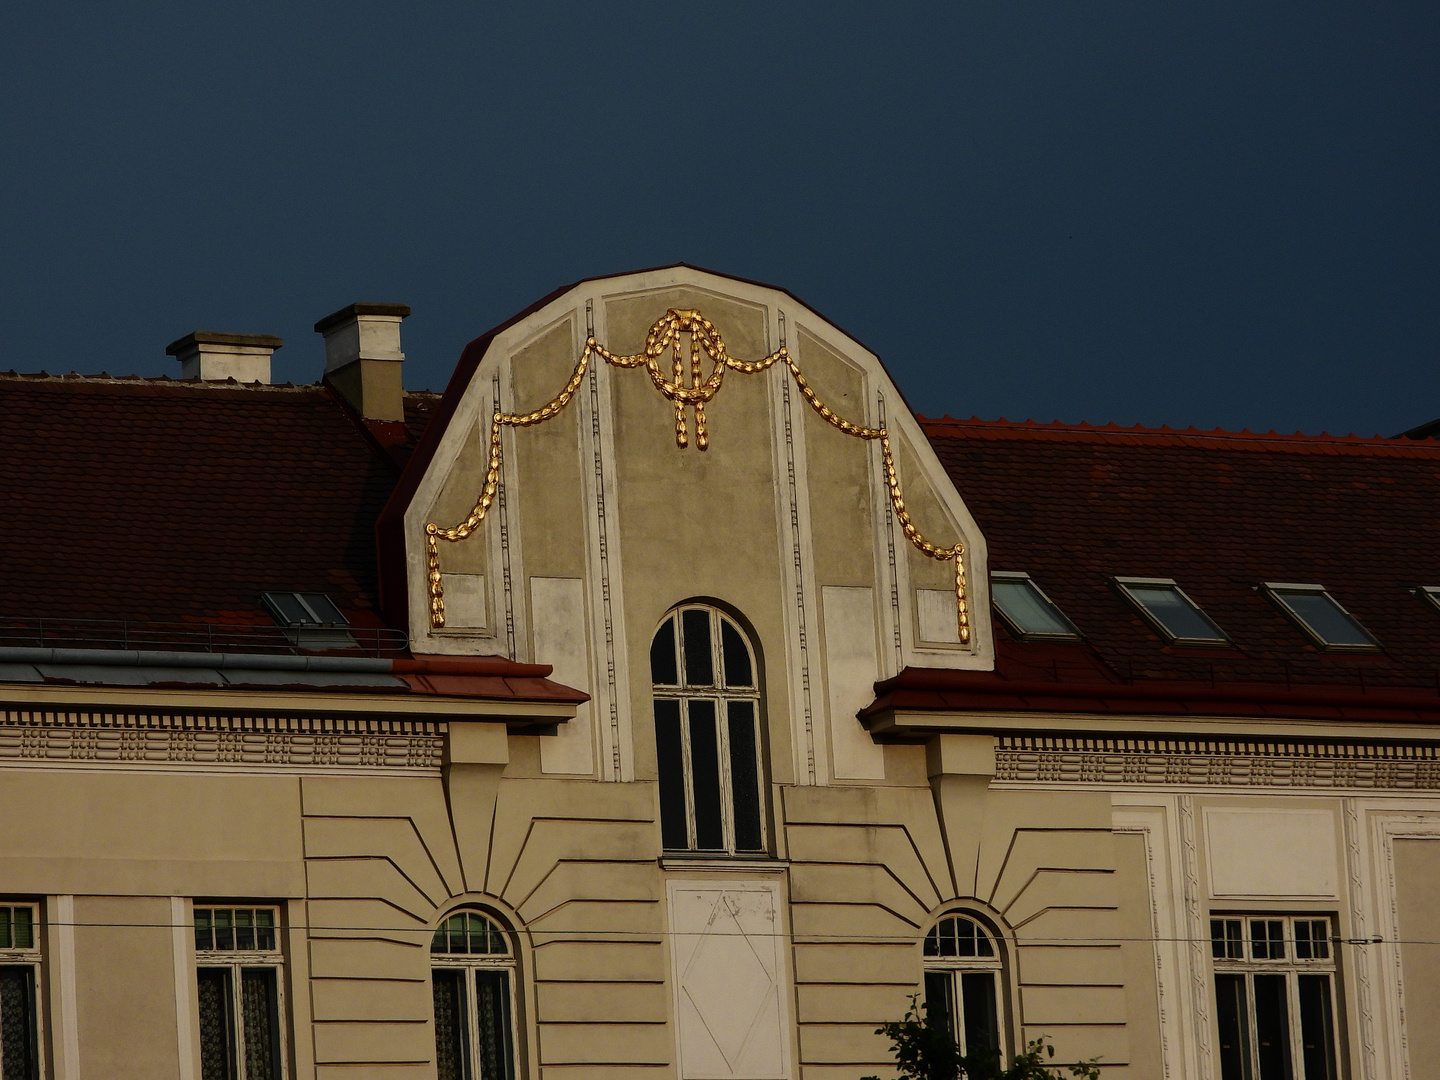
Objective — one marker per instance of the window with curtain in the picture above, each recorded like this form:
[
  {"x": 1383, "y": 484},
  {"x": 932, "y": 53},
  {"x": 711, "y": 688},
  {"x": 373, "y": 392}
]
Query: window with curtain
[
  {"x": 238, "y": 964},
  {"x": 19, "y": 976},
  {"x": 473, "y": 977},
  {"x": 707, "y": 734},
  {"x": 1275, "y": 997},
  {"x": 962, "y": 983}
]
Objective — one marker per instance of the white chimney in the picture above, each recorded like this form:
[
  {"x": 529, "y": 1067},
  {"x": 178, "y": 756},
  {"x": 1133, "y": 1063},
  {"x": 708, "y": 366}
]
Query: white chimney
[
  {"x": 363, "y": 357},
  {"x": 210, "y": 356}
]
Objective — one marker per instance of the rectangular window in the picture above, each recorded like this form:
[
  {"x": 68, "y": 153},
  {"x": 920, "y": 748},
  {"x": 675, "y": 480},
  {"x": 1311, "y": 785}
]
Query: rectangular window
[
  {"x": 1027, "y": 612},
  {"x": 1166, "y": 607},
  {"x": 1274, "y": 996},
  {"x": 19, "y": 977},
  {"x": 1321, "y": 617},
  {"x": 238, "y": 989}
]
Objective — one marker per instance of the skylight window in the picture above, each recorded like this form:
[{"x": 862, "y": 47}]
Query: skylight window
[
  {"x": 1027, "y": 612},
  {"x": 311, "y": 620},
  {"x": 1167, "y": 608},
  {"x": 1430, "y": 593},
  {"x": 1321, "y": 617},
  {"x": 304, "y": 609}
]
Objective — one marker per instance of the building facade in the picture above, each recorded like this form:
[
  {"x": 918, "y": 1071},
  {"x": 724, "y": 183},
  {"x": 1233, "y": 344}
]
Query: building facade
[{"x": 666, "y": 699}]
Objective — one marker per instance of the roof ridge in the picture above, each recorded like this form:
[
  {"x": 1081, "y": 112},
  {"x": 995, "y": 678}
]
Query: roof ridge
[
  {"x": 1167, "y": 435},
  {"x": 104, "y": 378}
]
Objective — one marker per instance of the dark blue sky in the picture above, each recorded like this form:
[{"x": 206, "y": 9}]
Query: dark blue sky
[{"x": 1219, "y": 213}]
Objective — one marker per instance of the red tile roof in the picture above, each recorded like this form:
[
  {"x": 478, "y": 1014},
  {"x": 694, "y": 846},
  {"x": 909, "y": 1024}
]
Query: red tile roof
[
  {"x": 1220, "y": 512},
  {"x": 174, "y": 500}
]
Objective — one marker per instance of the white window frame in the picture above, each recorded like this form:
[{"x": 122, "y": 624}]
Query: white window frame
[
  {"x": 470, "y": 964},
  {"x": 32, "y": 958},
  {"x": 1247, "y": 965},
  {"x": 235, "y": 961},
  {"x": 1275, "y": 590},
  {"x": 721, "y": 694},
  {"x": 1019, "y": 577},
  {"x": 956, "y": 966},
  {"x": 1221, "y": 639}
]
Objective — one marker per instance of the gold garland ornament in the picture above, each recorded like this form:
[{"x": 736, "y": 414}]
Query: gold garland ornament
[{"x": 666, "y": 334}]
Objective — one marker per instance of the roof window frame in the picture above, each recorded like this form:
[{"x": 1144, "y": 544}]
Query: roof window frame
[
  {"x": 1428, "y": 593},
  {"x": 1122, "y": 585},
  {"x": 1274, "y": 591},
  {"x": 1019, "y": 576}
]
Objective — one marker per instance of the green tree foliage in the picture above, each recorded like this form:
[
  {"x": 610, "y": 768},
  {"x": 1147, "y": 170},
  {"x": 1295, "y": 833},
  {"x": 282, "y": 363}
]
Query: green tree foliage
[{"x": 925, "y": 1051}]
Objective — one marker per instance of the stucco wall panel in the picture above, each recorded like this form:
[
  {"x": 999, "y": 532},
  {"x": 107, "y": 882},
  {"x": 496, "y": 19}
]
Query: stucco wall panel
[
  {"x": 841, "y": 1003},
  {"x": 865, "y": 963},
  {"x": 567, "y": 960},
  {"x": 371, "y": 999},
  {"x": 601, "y": 1044},
  {"x": 855, "y": 1044},
  {"x": 1067, "y": 888},
  {"x": 373, "y": 1043},
  {"x": 123, "y": 955},
  {"x": 591, "y": 1002},
  {"x": 375, "y": 878},
  {"x": 1417, "y": 884},
  {"x": 363, "y": 811},
  {"x": 545, "y": 484},
  {"x": 396, "y": 838},
  {"x": 349, "y": 958}
]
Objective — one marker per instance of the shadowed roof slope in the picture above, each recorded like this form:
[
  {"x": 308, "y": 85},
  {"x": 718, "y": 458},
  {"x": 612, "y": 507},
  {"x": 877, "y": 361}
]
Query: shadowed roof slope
[
  {"x": 184, "y": 501},
  {"x": 1220, "y": 513}
]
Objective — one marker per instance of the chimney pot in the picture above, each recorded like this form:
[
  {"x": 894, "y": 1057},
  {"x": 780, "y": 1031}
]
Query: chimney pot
[
  {"x": 363, "y": 358},
  {"x": 211, "y": 356}
]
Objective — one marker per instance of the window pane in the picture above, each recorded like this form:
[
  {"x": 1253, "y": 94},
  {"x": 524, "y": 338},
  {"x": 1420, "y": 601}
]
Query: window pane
[
  {"x": 264, "y": 929},
  {"x": 217, "y": 1033},
  {"x": 224, "y": 929},
  {"x": 982, "y": 1022},
  {"x": 695, "y": 640},
  {"x": 1272, "y": 1027},
  {"x": 1172, "y": 611},
  {"x": 932, "y": 942},
  {"x": 6, "y": 936},
  {"x": 292, "y": 611},
  {"x": 736, "y": 657},
  {"x": 245, "y": 930},
  {"x": 1324, "y": 617},
  {"x": 663, "y": 671},
  {"x": 705, "y": 771},
  {"x": 204, "y": 937},
  {"x": 939, "y": 1000},
  {"x": 670, "y": 757},
  {"x": 1267, "y": 938},
  {"x": 19, "y": 1050},
  {"x": 1317, "y": 1027},
  {"x": 744, "y": 779},
  {"x": 451, "y": 1058},
  {"x": 1021, "y": 603},
  {"x": 492, "y": 1005},
  {"x": 260, "y": 1013},
  {"x": 324, "y": 609},
  {"x": 1232, "y": 1017}
]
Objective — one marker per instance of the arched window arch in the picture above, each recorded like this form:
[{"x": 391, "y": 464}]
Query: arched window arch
[
  {"x": 473, "y": 977},
  {"x": 962, "y": 982},
  {"x": 707, "y": 733}
]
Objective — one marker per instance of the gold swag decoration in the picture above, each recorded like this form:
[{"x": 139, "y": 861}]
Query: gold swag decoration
[{"x": 665, "y": 334}]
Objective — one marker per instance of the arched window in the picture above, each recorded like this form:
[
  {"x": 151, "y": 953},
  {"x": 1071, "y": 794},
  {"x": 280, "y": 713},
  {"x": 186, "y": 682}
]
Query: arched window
[
  {"x": 707, "y": 733},
  {"x": 962, "y": 983},
  {"x": 473, "y": 975}
]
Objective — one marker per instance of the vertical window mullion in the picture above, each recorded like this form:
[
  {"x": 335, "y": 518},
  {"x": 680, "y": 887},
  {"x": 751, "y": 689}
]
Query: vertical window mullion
[
  {"x": 693, "y": 840},
  {"x": 727, "y": 779}
]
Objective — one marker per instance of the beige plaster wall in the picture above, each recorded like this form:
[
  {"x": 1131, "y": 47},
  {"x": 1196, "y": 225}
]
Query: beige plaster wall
[
  {"x": 124, "y": 956},
  {"x": 1417, "y": 884}
]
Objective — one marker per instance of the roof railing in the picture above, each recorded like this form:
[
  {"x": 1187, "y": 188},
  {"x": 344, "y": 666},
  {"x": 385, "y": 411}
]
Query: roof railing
[{"x": 132, "y": 634}]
